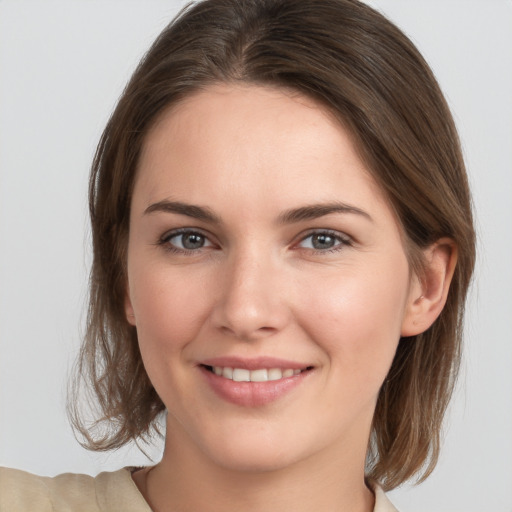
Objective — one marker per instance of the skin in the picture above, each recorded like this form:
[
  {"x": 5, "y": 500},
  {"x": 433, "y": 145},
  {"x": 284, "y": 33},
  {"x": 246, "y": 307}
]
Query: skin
[{"x": 260, "y": 285}]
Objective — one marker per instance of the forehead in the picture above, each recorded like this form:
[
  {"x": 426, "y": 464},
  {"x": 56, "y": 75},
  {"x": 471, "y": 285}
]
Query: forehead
[
  {"x": 235, "y": 109},
  {"x": 259, "y": 141}
]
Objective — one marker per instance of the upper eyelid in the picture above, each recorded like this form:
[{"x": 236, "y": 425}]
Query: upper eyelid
[
  {"x": 181, "y": 231},
  {"x": 165, "y": 241},
  {"x": 318, "y": 231}
]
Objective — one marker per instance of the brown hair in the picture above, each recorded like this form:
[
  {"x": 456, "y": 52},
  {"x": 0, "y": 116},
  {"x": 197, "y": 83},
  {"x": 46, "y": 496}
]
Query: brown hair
[{"x": 360, "y": 66}]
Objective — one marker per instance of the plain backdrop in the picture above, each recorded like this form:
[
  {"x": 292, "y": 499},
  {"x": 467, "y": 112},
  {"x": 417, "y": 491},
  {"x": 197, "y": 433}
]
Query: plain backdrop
[{"x": 64, "y": 63}]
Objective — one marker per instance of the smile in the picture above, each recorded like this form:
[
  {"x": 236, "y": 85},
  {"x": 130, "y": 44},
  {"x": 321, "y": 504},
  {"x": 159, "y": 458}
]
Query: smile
[
  {"x": 253, "y": 382},
  {"x": 258, "y": 375}
]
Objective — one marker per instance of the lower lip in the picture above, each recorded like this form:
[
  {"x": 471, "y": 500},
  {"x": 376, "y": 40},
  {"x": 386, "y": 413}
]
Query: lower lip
[{"x": 252, "y": 394}]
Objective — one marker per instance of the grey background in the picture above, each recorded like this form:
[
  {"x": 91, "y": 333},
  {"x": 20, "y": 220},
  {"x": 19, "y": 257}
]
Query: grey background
[{"x": 62, "y": 66}]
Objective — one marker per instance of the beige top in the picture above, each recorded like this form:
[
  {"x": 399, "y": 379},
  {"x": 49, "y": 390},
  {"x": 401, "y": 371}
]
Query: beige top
[{"x": 108, "y": 492}]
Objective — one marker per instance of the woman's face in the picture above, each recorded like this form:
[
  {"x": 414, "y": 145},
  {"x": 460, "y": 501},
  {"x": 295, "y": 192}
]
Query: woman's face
[{"x": 267, "y": 279}]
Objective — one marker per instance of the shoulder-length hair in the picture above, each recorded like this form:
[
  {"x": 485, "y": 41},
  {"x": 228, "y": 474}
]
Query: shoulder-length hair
[{"x": 352, "y": 60}]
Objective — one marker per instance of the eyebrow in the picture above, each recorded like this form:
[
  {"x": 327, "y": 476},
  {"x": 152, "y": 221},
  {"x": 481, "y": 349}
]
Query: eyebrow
[
  {"x": 190, "y": 210},
  {"x": 292, "y": 216},
  {"x": 315, "y": 211}
]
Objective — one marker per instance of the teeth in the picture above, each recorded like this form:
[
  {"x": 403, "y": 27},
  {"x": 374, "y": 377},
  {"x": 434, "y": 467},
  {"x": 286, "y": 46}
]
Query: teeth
[
  {"x": 227, "y": 372},
  {"x": 275, "y": 374},
  {"x": 259, "y": 375},
  {"x": 241, "y": 375}
]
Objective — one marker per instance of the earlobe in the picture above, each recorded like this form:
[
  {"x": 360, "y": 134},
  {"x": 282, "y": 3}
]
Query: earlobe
[
  {"x": 429, "y": 292},
  {"x": 128, "y": 310}
]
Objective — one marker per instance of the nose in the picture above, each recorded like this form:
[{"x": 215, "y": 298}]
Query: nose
[{"x": 252, "y": 302}]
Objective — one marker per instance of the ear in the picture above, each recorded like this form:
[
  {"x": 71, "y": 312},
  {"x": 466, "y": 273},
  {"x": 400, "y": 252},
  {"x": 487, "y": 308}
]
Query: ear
[
  {"x": 128, "y": 308},
  {"x": 429, "y": 291}
]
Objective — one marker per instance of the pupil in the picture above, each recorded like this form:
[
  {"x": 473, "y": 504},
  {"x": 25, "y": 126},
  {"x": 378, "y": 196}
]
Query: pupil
[
  {"x": 323, "y": 241},
  {"x": 192, "y": 241}
]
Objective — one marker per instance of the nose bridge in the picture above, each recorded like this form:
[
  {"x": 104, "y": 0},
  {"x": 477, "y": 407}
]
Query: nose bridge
[{"x": 252, "y": 303}]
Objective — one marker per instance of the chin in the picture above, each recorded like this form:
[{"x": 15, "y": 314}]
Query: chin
[
  {"x": 256, "y": 460},
  {"x": 257, "y": 449}
]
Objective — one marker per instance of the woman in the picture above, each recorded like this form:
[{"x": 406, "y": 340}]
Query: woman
[{"x": 282, "y": 248}]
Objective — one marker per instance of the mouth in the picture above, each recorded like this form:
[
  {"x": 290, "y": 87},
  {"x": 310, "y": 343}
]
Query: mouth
[
  {"x": 254, "y": 382},
  {"x": 256, "y": 375}
]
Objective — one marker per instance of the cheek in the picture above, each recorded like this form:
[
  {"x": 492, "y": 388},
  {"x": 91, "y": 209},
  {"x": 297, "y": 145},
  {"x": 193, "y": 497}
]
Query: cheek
[
  {"x": 356, "y": 318},
  {"x": 169, "y": 311}
]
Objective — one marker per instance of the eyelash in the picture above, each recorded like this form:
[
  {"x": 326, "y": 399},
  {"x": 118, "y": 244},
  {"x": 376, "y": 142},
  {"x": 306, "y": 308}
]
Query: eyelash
[
  {"x": 167, "y": 237},
  {"x": 342, "y": 241}
]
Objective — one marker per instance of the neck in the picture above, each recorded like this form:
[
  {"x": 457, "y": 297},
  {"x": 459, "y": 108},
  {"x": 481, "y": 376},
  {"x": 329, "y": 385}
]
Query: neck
[{"x": 187, "y": 480}]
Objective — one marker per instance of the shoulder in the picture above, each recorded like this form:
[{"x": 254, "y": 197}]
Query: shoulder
[{"x": 23, "y": 492}]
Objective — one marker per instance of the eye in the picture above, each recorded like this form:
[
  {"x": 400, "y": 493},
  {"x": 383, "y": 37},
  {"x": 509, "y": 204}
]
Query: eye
[
  {"x": 324, "y": 241},
  {"x": 185, "y": 240}
]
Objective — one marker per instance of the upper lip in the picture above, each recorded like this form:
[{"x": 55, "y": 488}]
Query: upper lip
[{"x": 254, "y": 363}]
